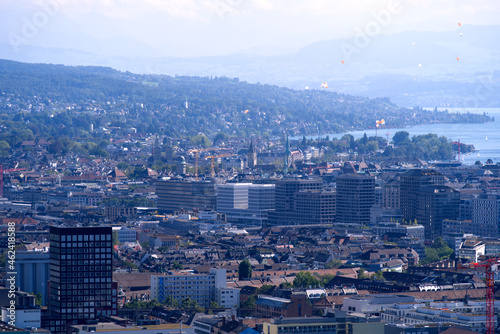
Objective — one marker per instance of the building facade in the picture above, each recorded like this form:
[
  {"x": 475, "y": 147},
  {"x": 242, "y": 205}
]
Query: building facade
[
  {"x": 175, "y": 195},
  {"x": 202, "y": 288},
  {"x": 355, "y": 197},
  {"x": 81, "y": 284},
  {"x": 410, "y": 184}
]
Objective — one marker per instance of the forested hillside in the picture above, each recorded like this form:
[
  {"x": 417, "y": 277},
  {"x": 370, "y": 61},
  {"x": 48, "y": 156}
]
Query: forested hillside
[{"x": 55, "y": 100}]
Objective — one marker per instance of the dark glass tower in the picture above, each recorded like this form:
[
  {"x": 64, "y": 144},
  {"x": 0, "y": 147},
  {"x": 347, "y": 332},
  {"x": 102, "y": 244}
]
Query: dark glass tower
[{"x": 81, "y": 286}]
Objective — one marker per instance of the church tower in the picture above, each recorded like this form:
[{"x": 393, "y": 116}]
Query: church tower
[{"x": 252, "y": 156}]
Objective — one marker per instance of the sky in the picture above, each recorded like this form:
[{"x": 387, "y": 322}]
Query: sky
[{"x": 188, "y": 28}]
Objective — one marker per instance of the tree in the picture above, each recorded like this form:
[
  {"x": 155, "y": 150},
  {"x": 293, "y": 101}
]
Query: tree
[
  {"x": 305, "y": 279},
  {"x": 333, "y": 264},
  {"x": 362, "y": 274},
  {"x": 400, "y": 137},
  {"x": 378, "y": 276},
  {"x": 177, "y": 266},
  {"x": 213, "y": 304},
  {"x": 115, "y": 238},
  {"x": 244, "y": 270},
  {"x": 220, "y": 137}
]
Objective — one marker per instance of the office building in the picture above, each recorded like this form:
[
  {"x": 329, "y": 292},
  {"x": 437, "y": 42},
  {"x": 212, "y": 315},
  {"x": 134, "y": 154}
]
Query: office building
[
  {"x": 288, "y": 199},
  {"x": 486, "y": 216},
  {"x": 355, "y": 197},
  {"x": 245, "y": 204},
  {"x": 175, "y": 195},
  {"x": 410, "y": 184},
  {"x": 435, "y": 204},
  {"x": 81, "y": 287}
]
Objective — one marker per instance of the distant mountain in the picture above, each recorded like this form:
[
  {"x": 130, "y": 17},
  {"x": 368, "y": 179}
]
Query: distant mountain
[
  {"x": 57, "y": 100},
  {"x": 411, "y": 68}
]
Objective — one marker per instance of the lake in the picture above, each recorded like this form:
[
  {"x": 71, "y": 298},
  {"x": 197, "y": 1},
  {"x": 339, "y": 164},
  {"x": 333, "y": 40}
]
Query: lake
[{"x": 485, "y": 137}]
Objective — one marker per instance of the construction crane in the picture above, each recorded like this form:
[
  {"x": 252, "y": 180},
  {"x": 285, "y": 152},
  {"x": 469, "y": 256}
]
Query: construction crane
[
  {"x": 491, "y": 266},
  {"x": 458, "y": 143},
  {"x": 7, "y": 170},
  {"x": 217, "y": 156},
  {"x": 196, "y": 151}
]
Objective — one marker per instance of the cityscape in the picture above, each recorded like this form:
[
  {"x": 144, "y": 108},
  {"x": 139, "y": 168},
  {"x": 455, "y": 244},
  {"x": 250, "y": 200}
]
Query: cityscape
[{"x": 206, "y": 197}]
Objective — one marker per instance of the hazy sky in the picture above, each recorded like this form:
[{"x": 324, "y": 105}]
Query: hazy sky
[{"x": 215, "y": 27}]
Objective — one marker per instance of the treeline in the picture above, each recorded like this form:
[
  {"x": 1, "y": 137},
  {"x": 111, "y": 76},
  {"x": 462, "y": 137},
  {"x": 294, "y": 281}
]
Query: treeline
[{"x": 55, "y": 100}]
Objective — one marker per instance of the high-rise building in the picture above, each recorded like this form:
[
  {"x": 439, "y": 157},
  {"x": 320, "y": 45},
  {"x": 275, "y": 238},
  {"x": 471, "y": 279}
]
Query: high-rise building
[
  {"x": 355, "y": 197},
  {"x": 174, "y": 195},
  {"x": 410, "y": 184},
  {"x": 435, "y": 204},
  {"x": 391, "y": 195},
  {"x": 486, "y": 215},
  {"x": 286, "y": 200},
  {"x": 81, "y": 286},
  {"x": 315, "y": 207}
]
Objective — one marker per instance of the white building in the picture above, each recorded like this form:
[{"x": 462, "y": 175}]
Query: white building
[
  {"x": 203, "y": 288},
  {"x": 471, "y": 315},
  {"x": 27, "y": 315},
  {"x": 245, "y": 203},
  {"x": 471, "y": 250},
  {"x": 126, "y": 234}
]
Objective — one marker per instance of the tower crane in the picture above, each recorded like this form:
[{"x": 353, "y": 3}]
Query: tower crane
[
  {"x": 491, "y": 266},
  {"x": 217, "y": 156}
]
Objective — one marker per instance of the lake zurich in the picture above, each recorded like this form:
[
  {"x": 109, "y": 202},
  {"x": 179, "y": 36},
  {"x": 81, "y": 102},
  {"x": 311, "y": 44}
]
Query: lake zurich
[{"x": 485, "y": 137}]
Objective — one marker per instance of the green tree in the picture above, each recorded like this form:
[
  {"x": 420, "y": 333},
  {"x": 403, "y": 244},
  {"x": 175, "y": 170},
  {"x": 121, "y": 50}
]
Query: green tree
[
  {"x": 177, "y": 266},
  {"x": 333, "y": 264},
  {"x": 244, "y": 270},
  {"x": 400, "y": 136},
  {"x": 362, "y": 274},
  {"x": 305, "y": 279}
]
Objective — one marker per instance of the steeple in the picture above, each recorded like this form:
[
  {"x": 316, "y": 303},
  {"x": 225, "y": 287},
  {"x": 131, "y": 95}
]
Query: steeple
[
  {"x": 252, "y": 155},
  {"x": 287, "y": 155}
]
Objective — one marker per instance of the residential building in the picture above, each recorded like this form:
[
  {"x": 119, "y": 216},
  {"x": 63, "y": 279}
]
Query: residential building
[
  {"x": 202, "y": 288},
  {"x": 272, "y": 307}
]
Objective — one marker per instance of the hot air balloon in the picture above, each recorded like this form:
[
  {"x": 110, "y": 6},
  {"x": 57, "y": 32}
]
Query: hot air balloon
[
  {"x": 459, "y": 24},
  {"x": 413, "y": 44},
  {"x": 246, "y": 111},
  {"x": 307, "y": 87},
  {"x": 458, "y": 58},
  {"x": 324, "y": 85},
  {"x": 343, "y": 61},
  {"x": 419, "y": 65}
]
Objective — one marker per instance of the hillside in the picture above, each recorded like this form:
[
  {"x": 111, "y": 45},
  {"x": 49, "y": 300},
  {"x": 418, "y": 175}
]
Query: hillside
[{"x": 55, "y": 100}]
